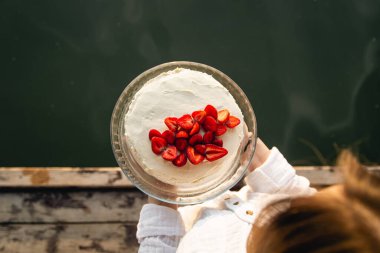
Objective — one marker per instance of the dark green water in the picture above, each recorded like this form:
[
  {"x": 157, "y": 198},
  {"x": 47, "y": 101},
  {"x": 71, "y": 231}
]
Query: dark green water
[{"x": 310, "y": 68}]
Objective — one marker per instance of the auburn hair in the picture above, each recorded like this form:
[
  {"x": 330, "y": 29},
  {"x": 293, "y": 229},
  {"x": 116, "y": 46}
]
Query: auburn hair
[{"x": 324, "y": 223}]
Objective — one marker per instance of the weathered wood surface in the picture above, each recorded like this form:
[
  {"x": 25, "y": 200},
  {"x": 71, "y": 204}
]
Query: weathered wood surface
[
  {"x": 63, "y": 177},
  {"x": 68, "y": 238},
  {"x": 66, "y": 210},
  {"x": 44, "y": 206},
  {"x": 76, "y": 177}
]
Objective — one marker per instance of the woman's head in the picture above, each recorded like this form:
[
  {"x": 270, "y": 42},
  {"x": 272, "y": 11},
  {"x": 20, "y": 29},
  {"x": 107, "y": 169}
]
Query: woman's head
[{"x": 343, "y": 218}]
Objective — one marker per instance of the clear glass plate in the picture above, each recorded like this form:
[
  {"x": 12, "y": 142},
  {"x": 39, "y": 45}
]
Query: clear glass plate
[{"x": 180, "y": 194}]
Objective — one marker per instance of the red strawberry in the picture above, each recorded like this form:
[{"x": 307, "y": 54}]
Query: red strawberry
[
  {"x": 214, "y": 152},
  {"x": 232, "y": 122},
  {"x": 199, "y": 116},
  {"x": 171, "y": 123},
  {"x": 208, "y": 137},
  {"x": 180, "y": 161},
  {"x": 169, "y": 136},
  {"x": 210, "y": 124},
  {"x": 186, "y": 122},
  {"x": 193, "y": 156},
  {"x": 195, "y": 129},
  {"x": 223, "y": 115},
  {"x": 182, "y": 134},
  {"x": 158, "y": 145},
  {"x": 201, "y": 149},
  {"x": 181, "y": 144},
  {"x": 154, "y": 133},
  {"x": 170, "y": 153},
  {"x": 220, "y": 130},
  {"x": 211, "y": 111},
  {"x": 218, "y": 142},
  {"x": 196, "y": 138}
]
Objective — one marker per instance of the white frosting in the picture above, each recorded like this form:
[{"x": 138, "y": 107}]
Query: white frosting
[{"x": 173, "y": 94}]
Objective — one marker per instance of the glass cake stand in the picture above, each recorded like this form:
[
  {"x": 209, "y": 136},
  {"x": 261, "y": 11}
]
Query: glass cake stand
[{"x": 180, "y": 194}]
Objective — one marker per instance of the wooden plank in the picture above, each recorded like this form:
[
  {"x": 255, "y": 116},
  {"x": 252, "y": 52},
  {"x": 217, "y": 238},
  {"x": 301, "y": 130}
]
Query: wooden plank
[
  {"x": 91, "y": 177},
  {"x": 71, "y": 207},
  {"x": 68, "y": 238}
]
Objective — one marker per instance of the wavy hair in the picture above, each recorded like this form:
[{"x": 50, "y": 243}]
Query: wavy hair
[{"x": 324, "y": 223}]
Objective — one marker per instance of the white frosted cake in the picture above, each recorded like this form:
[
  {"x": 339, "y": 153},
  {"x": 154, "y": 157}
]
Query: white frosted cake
[{"x": 173, "y": 94}]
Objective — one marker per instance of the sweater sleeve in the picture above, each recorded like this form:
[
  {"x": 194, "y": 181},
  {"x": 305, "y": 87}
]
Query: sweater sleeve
[
  {"x": 159, "y": 229},
  {"x": 276, "y": 175}
]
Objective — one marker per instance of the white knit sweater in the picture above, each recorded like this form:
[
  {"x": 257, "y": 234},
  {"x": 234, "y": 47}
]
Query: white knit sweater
[{"x": 222, "y": 224}]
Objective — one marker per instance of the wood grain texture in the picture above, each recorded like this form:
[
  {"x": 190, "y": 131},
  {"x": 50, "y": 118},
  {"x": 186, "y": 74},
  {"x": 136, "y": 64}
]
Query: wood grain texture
[
  {"x": 68, "y": 238},
  {"x": 86, "y": 177},
  {"x": 46, "y": 206},
  {"x": 90, "y": 177}
]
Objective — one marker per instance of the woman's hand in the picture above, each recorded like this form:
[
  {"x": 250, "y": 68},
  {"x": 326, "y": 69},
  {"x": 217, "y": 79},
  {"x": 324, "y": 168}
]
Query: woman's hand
[
  {"x": 152, "y": 200},
  {"x": 261, "y": 154}
]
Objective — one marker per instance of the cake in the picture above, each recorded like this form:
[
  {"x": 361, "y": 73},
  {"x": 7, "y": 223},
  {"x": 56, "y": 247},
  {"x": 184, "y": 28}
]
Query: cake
[{"x": 174, "y": 94}]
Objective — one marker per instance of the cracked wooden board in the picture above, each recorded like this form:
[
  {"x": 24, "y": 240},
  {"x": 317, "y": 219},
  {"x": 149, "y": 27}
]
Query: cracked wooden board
[
  {"x": 108, "y": 177},
  {"x": 68, "y": 238},
  {"x": 92, "y": 177},
  {"x": 48, "y": 206}
]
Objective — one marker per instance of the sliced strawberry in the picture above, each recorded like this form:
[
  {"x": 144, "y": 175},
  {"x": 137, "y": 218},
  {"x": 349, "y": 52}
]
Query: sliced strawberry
[
  {"x": 201, "y": 149},
  {"x": 195, "y": 129},
  {"x": 199, "y": 116},
  {"x": 232, "y": 122},
  {"x": 214, "y": 152},
  {"x": 218, "y": 142},
  {"x": 223, "y": 115},
  {"x": 195, "y": 139},
  {"x": 154, "y": 133},
  {"x": 181, "y": 144},
  {"x": 211, "y": 111},
  {"x": 210, "y": 124},
  {"x": 180, "y": 161},
  {"x": 158, "y": 145},
  {"x": 193, "y": 156},
  {"x": 208, "y": 137},
  {"x": 170, "y": 153},
  {"x": 186, "y": 122},
  {"x": 169, "y": 136},
  {"x": 220, "y": 130},
  {"x": 171, "y": 123},
  {"x": 182, "y": 134}
]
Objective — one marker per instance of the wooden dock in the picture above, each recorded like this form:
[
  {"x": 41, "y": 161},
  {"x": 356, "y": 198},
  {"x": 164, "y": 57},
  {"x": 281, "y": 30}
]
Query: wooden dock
[{"x": 87, "y": 210}]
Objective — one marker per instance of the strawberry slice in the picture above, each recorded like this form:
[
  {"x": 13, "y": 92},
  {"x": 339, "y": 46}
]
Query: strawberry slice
[
  {"x": 186, "y": 122},
  {"x": 199, "y": 116},
  {"x": 180, "y": 160},
  {"x": 171, "y": 123},
  {"x": 170, "y": 153},
  {"x": 195, "y": 129},
  {"x": 208, "y": 137},
  {"x": 181, "y": 144},
  {"x": 193, "y": 156},
  {"x": 182, "y": 134},
  {"x": 223, "y": 115},
  {"x": 158, "y": 145},
  {"x": 169, "y": 136},
  {"x": 210, "y": 124},
  {"x": 232, "y": 122},
  {"x": 154, "y": 133},
  {"x": 201, "y": 149},
  {"x": 218, "y": 142},
  {"x": 211, "y": 111},
  {"x": 195, "y": 139},
  {"x": 214, "y": 152},
  {"x": 220, "y": 130}
]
